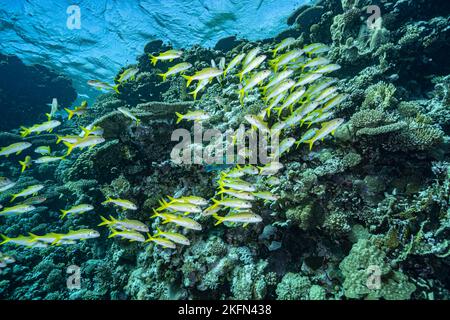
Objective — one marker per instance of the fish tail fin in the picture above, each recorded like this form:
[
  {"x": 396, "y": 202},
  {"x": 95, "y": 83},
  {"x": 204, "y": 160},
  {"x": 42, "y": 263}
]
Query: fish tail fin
[
  {"x": 108, "y": 200},
  {"x": 222, "y": 190},
  {"x": 33, "y": 237},
  {"x": 310, "y": 142},
  {"x": 105, "y": 221},
  {"x": 13, "y": 198},
  {"x": 163, "y": 75},
  {"x": 155, "y": 214},
  {"x": 57, "y": 239},
  {"x": 153, "y": 59},
  {"x": 69, "y": 112},
  {"x": 24, "y": 132},
  {"x": 86, "y": 131},
  {"x": 113, "y": 233},
  {"x": 218, "y": 218},
  {"x": 58, "y": 139},
  {"x": 158, "y": 233},
  {"x": 150, "y": 237},
  {"x": 24, "y": 165},
  {"x": 49, "y": 116},
  {"x": 194, "y": 94},
  {"x": 116, "y": 88},
  {"x": 5, "y": 239},
  {"x": 64, "y": 213},
  {"x": 241, "y": 75},
  {"x": 69, "y": 147},
  {"x": 241, "y": 95},
  {"x": 179, "y": 117},
  {"x": 188, "y": 78}
]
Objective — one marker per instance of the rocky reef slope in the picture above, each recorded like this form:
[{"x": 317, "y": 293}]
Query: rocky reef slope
[{"x": 376, "y": 195}]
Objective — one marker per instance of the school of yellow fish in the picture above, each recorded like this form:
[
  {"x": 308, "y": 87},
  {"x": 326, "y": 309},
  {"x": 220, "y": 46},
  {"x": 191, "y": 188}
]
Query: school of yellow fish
[{"x": 295, "y": 90}]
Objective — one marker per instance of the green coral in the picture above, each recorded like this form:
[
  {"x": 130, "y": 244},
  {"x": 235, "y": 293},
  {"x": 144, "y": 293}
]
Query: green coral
[
  {"x": 365, "y": 260},
  {"x": 293, "y": 286}
]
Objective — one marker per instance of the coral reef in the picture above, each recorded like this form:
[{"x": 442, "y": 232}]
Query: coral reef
[{"x": 364, "y": 215}]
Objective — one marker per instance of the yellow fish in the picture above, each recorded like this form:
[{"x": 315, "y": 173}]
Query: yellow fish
[{"x": 168, "y": 55}]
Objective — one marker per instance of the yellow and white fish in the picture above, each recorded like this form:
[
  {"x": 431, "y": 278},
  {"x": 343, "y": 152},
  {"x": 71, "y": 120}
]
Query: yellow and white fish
[
  {"x": 237, "y": 194},
  {"x": 316, "y": 48},
  {"x": 266, "y": 195},
  {"x": 284, "y": 146},
  {"x": 166, "y": 243},
  {"x": 243, "y": 217},
  {"x": 179, "y": 206},
  {"x": 69, "y": 139},
  {"x": 235, "y": 184},
  {"x": 124, "y": 224},
  {"x": 271, "y": 168},
  {"x": 307, "y": 79},
  {"x": 91, "y": 130},
  {"x": 43, "y": 150},
  {"x": 257, "y": 122},
  {"x": 193, "y": 116},
  {"x": 280, "y": 76},
  {"x": 100, "y": 85},
  {"x": 6, "y": 184},
  {"x": 282, "y": 87},
  {"x": 255, "y": 63},
  {"x": 88, "y": 141},
  {"x": 199, "y": 87},
  {"x": 78, "y": 111},
  {"x": 20, "y": 240},
  {"x": 286, "y": 43},
  {"x": 128, "y": 74},
  {"x": 207, "y": 73},
  {"x": 38, "y": 128},
  {"x": 233, "y": 203},
  {"x": 19, "y": 209},
  {"x": 184, "y": 222},
  {"x": 48, "y": 159},
  {"x": 132, "y": 236},
  {"x": 285, "y": 59},
  {"x": 26, "y": 163},
  {"x": 173, "y": 236},
  {"x": 251, "y": 55},
  {"x": 291, "y": 100},
  {"x": 164, "y": 56},
  {"x": 327, "y": 128},
  {"x": 178, "y": 68},
  {"x": 254, "y": 81},
  {"x": 328, "y": 68},
  {"x": 199, "y": 201},
  {"x": 81, "y": 234},
  {"x": 129, "y": 115},
  {"x": 31, "y": 190},
  {"x": 234, "y": 63},
  {"x": 124, "y": 204},
  {"x": 34, "y": 200},
  {"x": 319, "y": 61},
  {"x": 333, "y": 102},
  {"x": 81, "y": 208}
]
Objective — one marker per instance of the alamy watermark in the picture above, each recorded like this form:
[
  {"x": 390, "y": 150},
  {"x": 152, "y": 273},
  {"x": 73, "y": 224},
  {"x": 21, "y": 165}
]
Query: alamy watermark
[
  {"x": 241, "y": 146},
  {"x": 374, "y": 277},
  {"x": 74, "y": 280},
  {"x": 374, "y": 21},
  {"x": 74, "y": 18}
]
